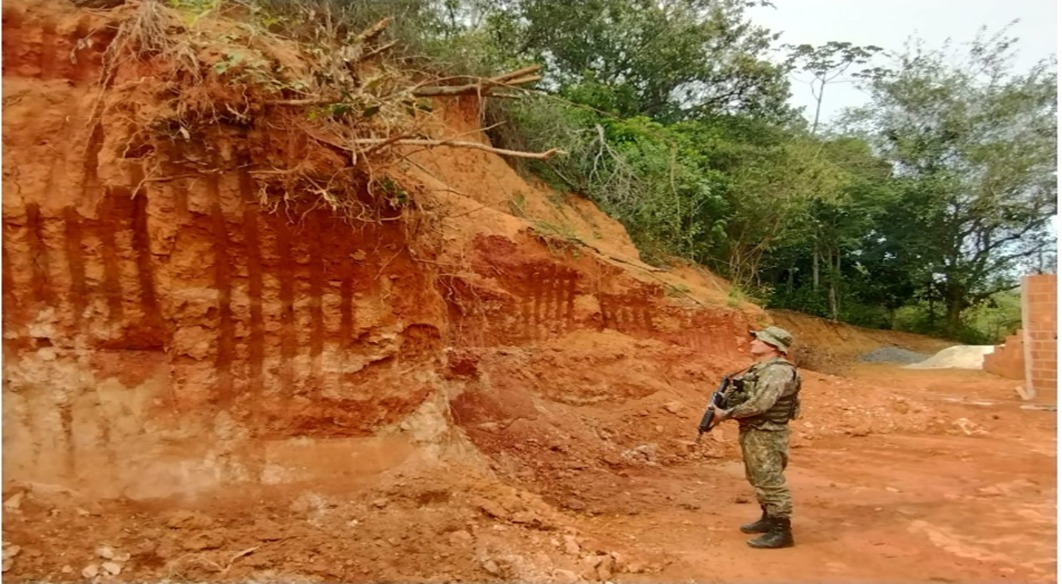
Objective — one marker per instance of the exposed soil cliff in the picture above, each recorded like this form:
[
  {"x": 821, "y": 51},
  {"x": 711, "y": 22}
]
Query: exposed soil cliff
[
  {"x": 268, "y": 388},
  {"x": 174, "y": 323}
]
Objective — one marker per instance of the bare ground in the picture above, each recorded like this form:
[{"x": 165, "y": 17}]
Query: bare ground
[{"x": 971, "y": 503}]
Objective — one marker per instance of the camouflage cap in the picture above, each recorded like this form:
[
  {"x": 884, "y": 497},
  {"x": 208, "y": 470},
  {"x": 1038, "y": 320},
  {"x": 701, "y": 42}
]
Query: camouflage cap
[{"x": 776, "y": 337}]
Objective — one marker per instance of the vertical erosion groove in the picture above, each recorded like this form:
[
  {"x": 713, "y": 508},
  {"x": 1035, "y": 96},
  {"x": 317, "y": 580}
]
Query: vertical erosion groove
[
  {"x": 316, "y": 289},
  {"x": 42, "y": 292},
  {"x": 286, "y": 273},
  {"x": 223, "y": 282},
  {"x": 256, "y": 349},
  {"x": 145, "y": 268}
]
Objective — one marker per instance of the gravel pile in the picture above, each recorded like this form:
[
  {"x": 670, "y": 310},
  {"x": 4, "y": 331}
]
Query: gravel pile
[
  {"x": 957, "y": 357},
  {"x": 893, "y": 355}
]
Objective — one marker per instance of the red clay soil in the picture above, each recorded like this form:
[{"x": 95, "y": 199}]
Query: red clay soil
[{"x": 196, "y": 387}]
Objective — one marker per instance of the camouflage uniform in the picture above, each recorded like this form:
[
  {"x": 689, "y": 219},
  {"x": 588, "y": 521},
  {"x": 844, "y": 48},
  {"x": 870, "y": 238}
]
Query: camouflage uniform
[{"x": 764, "y": 437}]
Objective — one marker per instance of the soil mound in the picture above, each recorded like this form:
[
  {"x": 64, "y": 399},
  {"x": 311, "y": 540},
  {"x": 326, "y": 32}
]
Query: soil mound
[
  {"x": 893, "y": 355},
  {"x": 957, "y": 357}
]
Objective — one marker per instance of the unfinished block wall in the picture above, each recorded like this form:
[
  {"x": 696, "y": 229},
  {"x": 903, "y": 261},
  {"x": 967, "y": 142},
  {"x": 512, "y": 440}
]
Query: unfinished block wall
[
  {"x": 1008, "y": 359},
  {"x": 1039, "y": 301}
]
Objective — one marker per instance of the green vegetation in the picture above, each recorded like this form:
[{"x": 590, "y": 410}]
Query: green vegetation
[{"x": 918, "y": 212}]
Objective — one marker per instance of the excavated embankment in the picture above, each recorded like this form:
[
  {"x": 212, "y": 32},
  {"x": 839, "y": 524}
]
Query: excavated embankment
[
  {"x": 211, "y": 375},
  {"x": 175, "y": 332}
]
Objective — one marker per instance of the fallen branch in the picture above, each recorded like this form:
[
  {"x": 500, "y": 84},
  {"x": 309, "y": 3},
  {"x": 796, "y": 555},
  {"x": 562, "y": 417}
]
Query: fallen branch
[
  {"x": 514, "y": 74},
  {"x": 482, "y": 88},
  {"x": 152, "y": 179},
  {"x": 239, "y": 555},
  {"x": 521, "y": 81},
  {"x": 376, "y": 51},
  {"x": 461, "y": 144},
  {"x": 372, "y": 32},
  {"x": 301, "y": 102},
  {"x": 384, "y": 143}
]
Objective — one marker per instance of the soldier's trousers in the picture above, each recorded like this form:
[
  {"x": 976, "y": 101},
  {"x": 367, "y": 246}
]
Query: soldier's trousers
[{"x": 766, "y": 454}]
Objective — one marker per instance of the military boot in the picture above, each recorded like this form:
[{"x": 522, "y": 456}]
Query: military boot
[
  {"x": 761, "y": 525},
  {"x": 779, "y": 535}
]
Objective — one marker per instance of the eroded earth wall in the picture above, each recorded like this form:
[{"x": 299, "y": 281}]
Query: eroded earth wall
[{"x": 163, "y": 333}]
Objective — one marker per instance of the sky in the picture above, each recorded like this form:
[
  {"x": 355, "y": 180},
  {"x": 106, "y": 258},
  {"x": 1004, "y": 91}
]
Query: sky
[{"x": 888, "y": 24}]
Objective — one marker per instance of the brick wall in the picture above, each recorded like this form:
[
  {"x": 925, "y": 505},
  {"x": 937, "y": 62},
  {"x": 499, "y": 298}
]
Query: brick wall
[
  {"x": 1039, "y": 301},
  {"x": 1008, "y": 360}
]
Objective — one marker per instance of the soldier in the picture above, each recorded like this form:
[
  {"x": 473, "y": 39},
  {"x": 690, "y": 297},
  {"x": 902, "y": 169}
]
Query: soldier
[{"x": 763, "y": 399}]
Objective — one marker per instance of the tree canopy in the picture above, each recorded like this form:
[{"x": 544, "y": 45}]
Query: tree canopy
[
  {"x": 973, "y": 147},
  {"x": 934, "y": 197}
]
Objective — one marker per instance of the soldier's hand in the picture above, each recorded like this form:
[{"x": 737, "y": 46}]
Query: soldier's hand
[{"x": 720, "y": 415}]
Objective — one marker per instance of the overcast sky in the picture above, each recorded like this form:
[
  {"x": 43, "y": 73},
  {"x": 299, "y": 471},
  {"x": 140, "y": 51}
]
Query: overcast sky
[{"x": 888, "y": 24}]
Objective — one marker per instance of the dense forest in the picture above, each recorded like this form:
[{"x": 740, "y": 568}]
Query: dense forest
[{"x": 919, "y": 211}]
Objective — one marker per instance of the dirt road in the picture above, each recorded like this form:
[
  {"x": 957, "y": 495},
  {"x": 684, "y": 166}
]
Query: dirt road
[
  {"x": 972, "y": 503},
  {"x": 873, "y": 509},
  {"x": 879, "y": 508}
]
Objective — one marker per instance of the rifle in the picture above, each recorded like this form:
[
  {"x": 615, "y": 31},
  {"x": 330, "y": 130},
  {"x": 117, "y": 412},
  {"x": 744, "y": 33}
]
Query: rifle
[{"x": 716, "y": 401}]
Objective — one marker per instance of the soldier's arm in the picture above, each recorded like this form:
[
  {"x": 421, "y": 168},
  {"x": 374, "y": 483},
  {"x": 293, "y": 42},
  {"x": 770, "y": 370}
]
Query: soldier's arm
[{"x": 769, "y": 387}]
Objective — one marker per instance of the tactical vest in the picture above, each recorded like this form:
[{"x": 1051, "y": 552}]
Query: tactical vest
[{"x": 785, "y": 408}]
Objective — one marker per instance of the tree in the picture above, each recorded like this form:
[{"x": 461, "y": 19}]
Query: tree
[
  {"x": 667, "y": 59},
  {"x": 772, "y": 175},
  {"x": 832, "y": 240},
  {"x": 827, "y": 63},
  {"x": 973, "y": 147}
]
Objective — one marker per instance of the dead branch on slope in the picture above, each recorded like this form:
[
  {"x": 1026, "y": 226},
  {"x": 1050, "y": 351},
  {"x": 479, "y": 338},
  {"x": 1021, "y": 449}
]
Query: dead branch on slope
[
  {"x": 343, "y": 107},
  {"x": 462, "y": 144}
]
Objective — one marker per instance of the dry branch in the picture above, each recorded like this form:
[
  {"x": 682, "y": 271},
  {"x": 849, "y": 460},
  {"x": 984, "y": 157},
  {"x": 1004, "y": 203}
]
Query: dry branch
[
  {"x": 514, "y": 74},
  {"x": 301, "y": 102},
  {"x": 372, "y": 32},
  {"x": 521, "y": 80},
  {"x": 483, "y": 88},
  {"x": 376, "y": 51},
  {"x": 461, "y": 144},
  {"x": 384, "y": 143}
]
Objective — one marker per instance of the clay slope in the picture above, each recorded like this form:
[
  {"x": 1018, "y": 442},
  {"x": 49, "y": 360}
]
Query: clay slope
[
  {"x": 168, "y": 326},
  {"x": 267, "y": 388}
]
